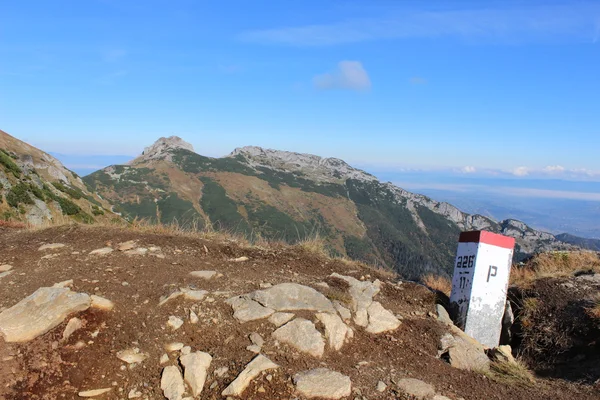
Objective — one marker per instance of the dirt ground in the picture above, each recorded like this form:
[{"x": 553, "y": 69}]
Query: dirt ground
[{"x": 47, "y": 368}]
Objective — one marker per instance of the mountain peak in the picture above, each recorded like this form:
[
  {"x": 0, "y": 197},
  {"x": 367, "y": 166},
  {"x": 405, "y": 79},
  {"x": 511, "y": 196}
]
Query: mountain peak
[
  {"x": 318, "y": 168},
  {"x": 163, "y": 146}
]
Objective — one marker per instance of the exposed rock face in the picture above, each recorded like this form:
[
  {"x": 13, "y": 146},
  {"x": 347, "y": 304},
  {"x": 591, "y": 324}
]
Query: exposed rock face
[
  {"x": 40, "y": 312},
  {"x": 162, "y": 148},
  {"x": 248, "y": 310},
  {"x": 302, "y": 335},
  {"x": 362, "y": 293},
  {"x": 323, "y": 383},
  {"x": 259, "y": 364},
  {"x": 280, "y": 318}
]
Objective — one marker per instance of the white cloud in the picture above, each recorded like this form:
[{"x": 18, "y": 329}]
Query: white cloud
[
  {"x": 349, "y": 75},
  {"x": 575, "y": 21},
  {"x": 520, "y": 171},
  {"x": 554, "y": 169},
  {"x": 468, "y": 169}
]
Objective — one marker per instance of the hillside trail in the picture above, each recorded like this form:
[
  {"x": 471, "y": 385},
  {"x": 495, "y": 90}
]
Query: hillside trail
[{"x": 155, "y": 266}]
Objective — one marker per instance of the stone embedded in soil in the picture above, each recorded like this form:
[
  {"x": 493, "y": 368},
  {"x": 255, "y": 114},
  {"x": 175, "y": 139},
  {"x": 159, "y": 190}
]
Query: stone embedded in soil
[
  {"x": 100, "y": 303},
  {"x": 5, "y": 267},
  {"x": 416, "y": 388},
  {"x": 256, "y": 339},
  {"x": 175, "y": 346},
  {"x": 442, "y": 315},
  {"x": 7, "y": 273},
  {"x": 292, "y": 296},
  {"x": 440, "y": 397},
  {"x": 503, "y": 354},
  {"x": 323, "y": 383},
  {"x": 196, "y": 369},
  {"x": 64, "y": 284},
  {"x": 462, "y": 351},
  {"x": 240, "y": 259},
  {"x": 94, "y": 392},
  {"x": 362, "y": 293},
  {"x": 336, "y": 330},
  {"x": 39, "y": 312},
  {"x": 131, "y": 356},
  {"x": 193, "y": 317},
  {"x": 380, "y": 319},
  {"x": 259, "y": 364},
  {"x": 128, "y": 245},
  {"x": 302, "y": 335},
  {"x": 101, "y": 252},
  {"x": 280, "y": 318},
  {"x": 171, "y": 383},
  {"x": 174, "y": 322},
  {"x": 203, "y": 274},
  {"x": 140, "y": 251},
  {"x": 195, "y": 295},
  {"x": 381, "y": 386},
  {"x": 342, "y": 310},
  {"x": 73, "y": 325},
  {"x": 246, "y": 310},
  {"x": 51, "y": 246}
]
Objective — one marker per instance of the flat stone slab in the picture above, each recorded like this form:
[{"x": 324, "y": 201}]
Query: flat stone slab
[
  {"x": 245, "y": 310},
  {"x": 292, "y": 296},
  {"x": 128, "y": 245},
  {"x": 259, "y": 364},
  {"x": 380, "y": 319},
  {"x": 51, "y": 246},
  {"x": 196, "y": 369},
  {"x": 302, "y": 335},
  {"x": 203, "y": 274},
  {"x": 323, "y": 383},
  {"x": 39, "y": 312},
  {"x": 416, "y": 388},
  {"x": 131, "y": 356}
]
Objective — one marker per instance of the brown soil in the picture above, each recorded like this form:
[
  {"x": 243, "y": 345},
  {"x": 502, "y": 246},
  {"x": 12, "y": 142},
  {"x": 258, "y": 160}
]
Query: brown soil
[{"x": 45, "y": 368}]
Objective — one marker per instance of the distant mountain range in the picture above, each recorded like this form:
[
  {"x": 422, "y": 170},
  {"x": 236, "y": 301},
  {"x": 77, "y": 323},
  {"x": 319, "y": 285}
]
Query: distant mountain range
[{"x": 288, "y": 196}]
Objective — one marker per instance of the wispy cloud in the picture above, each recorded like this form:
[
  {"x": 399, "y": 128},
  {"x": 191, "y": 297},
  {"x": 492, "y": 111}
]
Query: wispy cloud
[
  {"x": 520, "y": 171},
  {"x": 349, "y": 75},
  {"x": 569, "y": 21},
  {"x": 468, "y": 169}
]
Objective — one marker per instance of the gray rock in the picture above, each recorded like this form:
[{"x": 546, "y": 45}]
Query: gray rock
[
  {"x": 259, "y": 364},
  {"x": 196, "y": 369},
  {"x": 302, "y": 335},
  {"x": 7, "y": 273},
  {"x": 342, "y": 310},
  {"x": 416, "y": 388},
  {"x": 140, "y": 251},
  {"x": 380, "y": 319},
  {"x": 174, "y": 322},
  {"x": 280, "y": 318},
  {"x": 503, "y": 354},
  {"x": 126, "y": 246},
  {"x": 39, "y": 312},
  {"x": 292, "y": 296},
  {"x": 51, "y": 246},
  {"x": 256, "y": 339},
  {"x": 203, "y": 274},
  {"x": 462, "y": 351},
  {"x": 171, "y": 383},
  {"x": 323, "y": 383},
  {"x": 442, "y": 315},
  {"x": 245, "y": 310},
  {"x": 362, "y": 293},
  {"x": 336, "y": 330},
  {"x": 101, "y": 303},
  {"x": 381, "y": 386}
]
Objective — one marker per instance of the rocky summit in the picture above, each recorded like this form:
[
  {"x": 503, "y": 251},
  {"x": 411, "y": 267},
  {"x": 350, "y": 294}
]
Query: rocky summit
[
  {"x": 85, "y": 315},
  {"x": 287, "y": 196}
]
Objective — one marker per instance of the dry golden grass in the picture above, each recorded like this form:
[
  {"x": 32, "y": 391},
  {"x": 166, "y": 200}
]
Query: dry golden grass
[
  {"x": 438, "y": 282},
  {"x": 555, "y": 265},
  {"x": 511, "y": 373},
  {"x": 314, "y": 245}
]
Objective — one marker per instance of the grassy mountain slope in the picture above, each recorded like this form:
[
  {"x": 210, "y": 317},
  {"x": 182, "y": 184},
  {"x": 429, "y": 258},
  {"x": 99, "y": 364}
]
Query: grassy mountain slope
[
  {"x": 36, "y": 188},
  {"x": 289, "y": 197}
]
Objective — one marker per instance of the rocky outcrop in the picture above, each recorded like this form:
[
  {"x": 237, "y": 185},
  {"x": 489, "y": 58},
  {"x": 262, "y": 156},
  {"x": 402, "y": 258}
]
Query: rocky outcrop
[
  {"x": 41, "y": 311},
  {"x": 302, "y": 335},
  {"x": 162, "y": 148}
]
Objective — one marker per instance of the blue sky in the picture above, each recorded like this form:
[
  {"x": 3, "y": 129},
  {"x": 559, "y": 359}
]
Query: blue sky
[{"x": 473, "y": 88}]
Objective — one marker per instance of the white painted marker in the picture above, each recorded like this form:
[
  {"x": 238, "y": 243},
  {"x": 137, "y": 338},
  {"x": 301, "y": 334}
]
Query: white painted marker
[{"x": 480, "y": 283}]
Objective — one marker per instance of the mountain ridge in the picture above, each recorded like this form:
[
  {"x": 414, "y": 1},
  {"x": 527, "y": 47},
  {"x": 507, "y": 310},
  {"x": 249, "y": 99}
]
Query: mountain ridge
[{"x": 289, "y": 196}]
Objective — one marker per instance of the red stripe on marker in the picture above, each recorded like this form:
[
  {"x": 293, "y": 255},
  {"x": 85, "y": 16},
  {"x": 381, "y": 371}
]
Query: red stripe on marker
[{"x": 486, "y": 237}]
